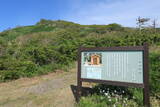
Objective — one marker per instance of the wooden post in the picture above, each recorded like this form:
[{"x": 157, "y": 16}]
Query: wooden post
[
  {"x": 146, "y": 99},
  {"x": 79, "y": 82},
  {"x": 79, "y": 91}
]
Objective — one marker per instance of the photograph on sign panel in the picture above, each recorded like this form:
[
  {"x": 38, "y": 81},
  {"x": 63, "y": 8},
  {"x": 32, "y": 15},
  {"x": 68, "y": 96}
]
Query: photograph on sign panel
[
  {"x": 93, "y": 59},
  {"x": 92, "y": 62}
]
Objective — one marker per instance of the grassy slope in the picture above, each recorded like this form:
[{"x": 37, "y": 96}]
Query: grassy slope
[{"x": 48, "y": 45}]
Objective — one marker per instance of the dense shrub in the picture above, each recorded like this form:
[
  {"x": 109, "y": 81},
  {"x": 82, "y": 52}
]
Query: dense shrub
[
  {"x": 9, "y": 75},
  {"x": 115, "y": 27},
  {"x": 42, "y": 55},
  {"x": 106, "y": 101},
  {"x": 13, "y": 69},
  {"x": 155, "y": 74}
]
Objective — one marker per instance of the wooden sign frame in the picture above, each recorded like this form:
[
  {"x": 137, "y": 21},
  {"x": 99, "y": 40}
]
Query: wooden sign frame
[{"x": 144, "y": 85}]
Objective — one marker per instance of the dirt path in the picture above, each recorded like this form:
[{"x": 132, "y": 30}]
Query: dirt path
[{"x": 52, "y": 90}]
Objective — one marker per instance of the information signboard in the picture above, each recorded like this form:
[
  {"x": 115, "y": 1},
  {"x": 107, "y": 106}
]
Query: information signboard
[{"x": 121, "y": 66}]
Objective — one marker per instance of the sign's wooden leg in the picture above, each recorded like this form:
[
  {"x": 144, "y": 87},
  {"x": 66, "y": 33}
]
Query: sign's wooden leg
[
  {"x": 79, "y": 90},
  {"x": 146, "y": 99}
]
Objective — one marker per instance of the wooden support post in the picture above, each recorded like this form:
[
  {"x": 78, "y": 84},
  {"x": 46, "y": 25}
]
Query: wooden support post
[
  {"x": 79, "y": 91},
  {"x": 146, "y": 98},
  {"x": 79, "y": 82}
]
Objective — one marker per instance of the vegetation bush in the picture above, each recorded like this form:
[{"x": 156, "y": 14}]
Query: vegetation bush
[
  {"x": 106, "y": 101},
  {"x": 155, "y": 74},
  {"x": 133, "y": 94},
  {"x": 6, "y": 75}
]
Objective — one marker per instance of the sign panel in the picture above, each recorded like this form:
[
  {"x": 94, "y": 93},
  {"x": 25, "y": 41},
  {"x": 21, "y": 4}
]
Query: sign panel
[{"x": 122, "y": 66}]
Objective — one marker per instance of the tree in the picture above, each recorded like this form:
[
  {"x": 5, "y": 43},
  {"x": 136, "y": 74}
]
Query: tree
[
  {"x": 141, "y": 22},
  {"x": 154, "y": 23}
]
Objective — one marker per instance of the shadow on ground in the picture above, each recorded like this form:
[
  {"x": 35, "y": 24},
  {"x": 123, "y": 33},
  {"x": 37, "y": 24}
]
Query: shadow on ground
[{"x": 85, "y": 91}]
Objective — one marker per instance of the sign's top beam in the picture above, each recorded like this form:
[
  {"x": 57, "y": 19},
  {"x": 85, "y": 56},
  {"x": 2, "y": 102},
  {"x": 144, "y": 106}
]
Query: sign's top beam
[{"x": 128, "y": 48}]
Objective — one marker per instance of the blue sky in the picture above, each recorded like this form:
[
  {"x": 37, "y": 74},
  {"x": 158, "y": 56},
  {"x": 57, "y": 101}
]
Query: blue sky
[{"x": 27, "y": 12}]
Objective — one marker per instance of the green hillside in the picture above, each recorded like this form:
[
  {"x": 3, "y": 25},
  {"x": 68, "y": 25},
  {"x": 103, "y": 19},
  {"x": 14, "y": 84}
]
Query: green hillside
[
  {"x": 28, "y": 51},
  {"x": 49, "y": 45}
]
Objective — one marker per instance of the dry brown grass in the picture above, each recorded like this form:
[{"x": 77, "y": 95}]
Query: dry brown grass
[
  {"x": 52, "y": 90},
  {"x": 155, "y": 102},
  {"x": 154, "y": 49}
]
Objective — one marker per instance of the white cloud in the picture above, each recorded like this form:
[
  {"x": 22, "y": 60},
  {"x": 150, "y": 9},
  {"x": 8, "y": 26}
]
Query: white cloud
[{"x": 123, "y": 12}]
